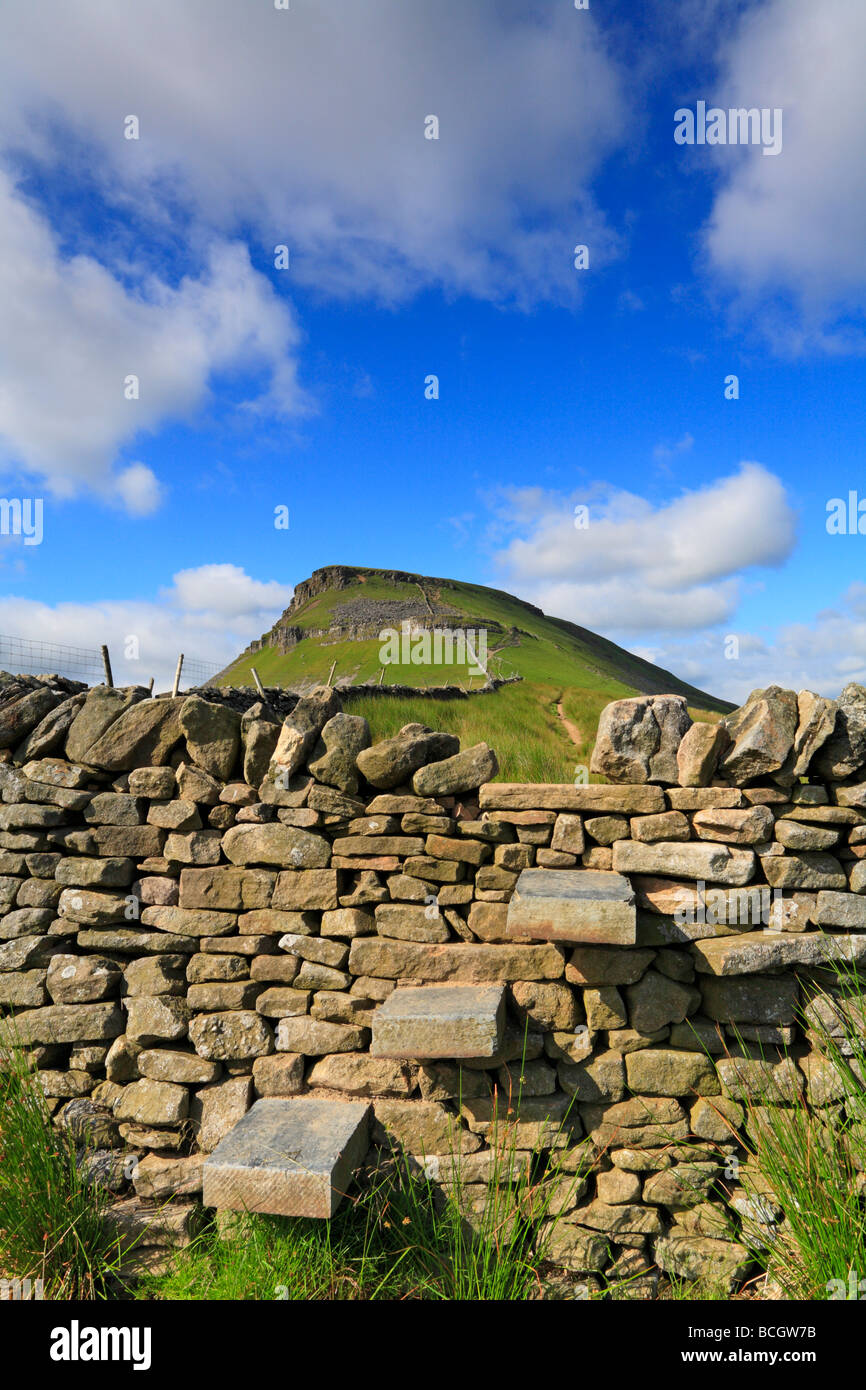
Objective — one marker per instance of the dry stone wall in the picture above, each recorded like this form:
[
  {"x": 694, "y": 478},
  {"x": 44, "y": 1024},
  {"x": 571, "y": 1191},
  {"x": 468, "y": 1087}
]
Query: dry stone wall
[{"x": 202, "y": 907}]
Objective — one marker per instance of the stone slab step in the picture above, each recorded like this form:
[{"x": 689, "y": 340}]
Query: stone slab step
[
  {"x": 588, "y": 905},
  {"x": 441, "y": 1021},
  {"x": 288, "y": 1157}
]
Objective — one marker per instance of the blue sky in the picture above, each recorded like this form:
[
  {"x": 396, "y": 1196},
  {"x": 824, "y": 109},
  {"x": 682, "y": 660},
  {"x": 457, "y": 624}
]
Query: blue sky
[{"x": 305, "y": 387}]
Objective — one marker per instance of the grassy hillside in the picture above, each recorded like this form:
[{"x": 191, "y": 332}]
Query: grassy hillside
[{"x": 542, "y": 727}]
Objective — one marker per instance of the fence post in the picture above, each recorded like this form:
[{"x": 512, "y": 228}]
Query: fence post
[
  {"x": 255, "y": 675},
  {"x": 177, "y": 676},
  {"x": 106, "y": 661}
]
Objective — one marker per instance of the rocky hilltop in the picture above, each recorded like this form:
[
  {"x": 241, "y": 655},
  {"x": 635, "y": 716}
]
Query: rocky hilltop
[{"x": 337, "y": 615}]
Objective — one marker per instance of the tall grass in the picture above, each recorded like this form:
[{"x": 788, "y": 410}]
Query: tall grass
[
  {"x": 51, "y": 1221},
  {"x": 812, "y": 1159},
  {"x": 465, "y": 1250}
]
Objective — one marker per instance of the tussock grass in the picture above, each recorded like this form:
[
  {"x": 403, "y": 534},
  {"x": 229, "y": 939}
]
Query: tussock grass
[
  {"x": 812, "y": 1161},
  {"x": 51, "y": 1221}
]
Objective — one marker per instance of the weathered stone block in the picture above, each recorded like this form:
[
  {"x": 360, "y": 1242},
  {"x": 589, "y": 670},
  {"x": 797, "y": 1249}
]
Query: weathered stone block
[
  {"x": 405, "y": 922},
  {"x": 219, "y": 995},
  {"x": 63, "y": 1023},
  {"x": 280, "y": 1075},
  {"x": 94, "y": 873},
  {"x": 194, "y": 847},
  {"x": 711, "y": 863},
  {"x": 145, "y": 733},
  {"x": 421, "y": 1127},
  {"x": 312, "y": 1038},
  {"x": 462, "y": 964},
  {"x": 90, "y": 909},
  {"x": 183, "y": 921},
  {"x": 594, "y": 966},
  {"x": 573, "y": 905},
  {"x": 568, "y": 835},
  {"x": 522, "y": 796},
  {"x": 82, "y": 979},
  {"x": 667, "y": 1072},
  {"x": 218, "y": 1107},
  {"x": 238, "y": 1036},
  {"x": 359, "y": 1074},
  {"x": 162, "y": 974},
  {"x": 282, "y": 845},
  {"x": 154, "y": 1020},
  {"x": 158, "y": 1177},
  {"x": 759, "y": 999},
  {"x": 306, "y": 888},
  {"x": 288, "y": 1157},
  {"x": 749, "y": 825},
  {"x": 720, "y": 1263},
  {"x": 550, "y": 1006},
  {"x": 840, "y": 910},
  {"x": 761, "y": 951},
  {"x": 148, "y": 1102},
  {"x": 282, "y": 1002},
  {"x": 807, "y": 869},
  {"x": 440, "y": 1021},
  {"x": 183, "y": 1068},
  {"x": 600, "y": 1078},
  {"x": 656, "y": 1001}
]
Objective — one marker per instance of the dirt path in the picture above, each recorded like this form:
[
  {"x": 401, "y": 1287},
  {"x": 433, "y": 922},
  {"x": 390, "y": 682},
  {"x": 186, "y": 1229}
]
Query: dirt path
[{"x": 572, "y": 730}]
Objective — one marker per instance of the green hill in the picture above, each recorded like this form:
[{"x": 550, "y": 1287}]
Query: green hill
[{"x": 541, "y": 727}]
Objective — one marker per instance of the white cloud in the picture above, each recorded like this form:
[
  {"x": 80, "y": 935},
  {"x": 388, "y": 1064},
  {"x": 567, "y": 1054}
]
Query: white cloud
[
  {"x": 794, "y": 223},
  {"x": 209, "y": 613},
  {"x": 823, "y": 654},
  {"x": 637, "y": 567},
  {"x": 71, "y": 333},
  {"x": 226, "y": 592},
  {"x": 308, "y": 125},
  {"x": 139, "y": 489}
]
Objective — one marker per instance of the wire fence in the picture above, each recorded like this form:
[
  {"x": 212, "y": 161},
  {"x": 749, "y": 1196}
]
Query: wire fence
[
  {"x": 198, "y": 672},
  {"x": 23, "y": 655}
]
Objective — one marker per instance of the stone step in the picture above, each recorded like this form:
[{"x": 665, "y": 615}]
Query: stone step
[
  {"x": 587, "y": 905},
  {"x": 441, "y": 1021},
  {"x": 288, "y": 1157}
]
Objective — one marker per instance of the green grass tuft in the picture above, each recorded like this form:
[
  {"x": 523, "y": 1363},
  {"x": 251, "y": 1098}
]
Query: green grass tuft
[{"x": 51, "y": 1221}]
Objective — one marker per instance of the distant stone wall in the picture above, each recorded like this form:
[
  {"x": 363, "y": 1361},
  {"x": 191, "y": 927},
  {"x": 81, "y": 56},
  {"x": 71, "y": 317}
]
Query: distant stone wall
[
  {"x": 201, "y": 907},
  {"x": 283, "y": 701}
]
